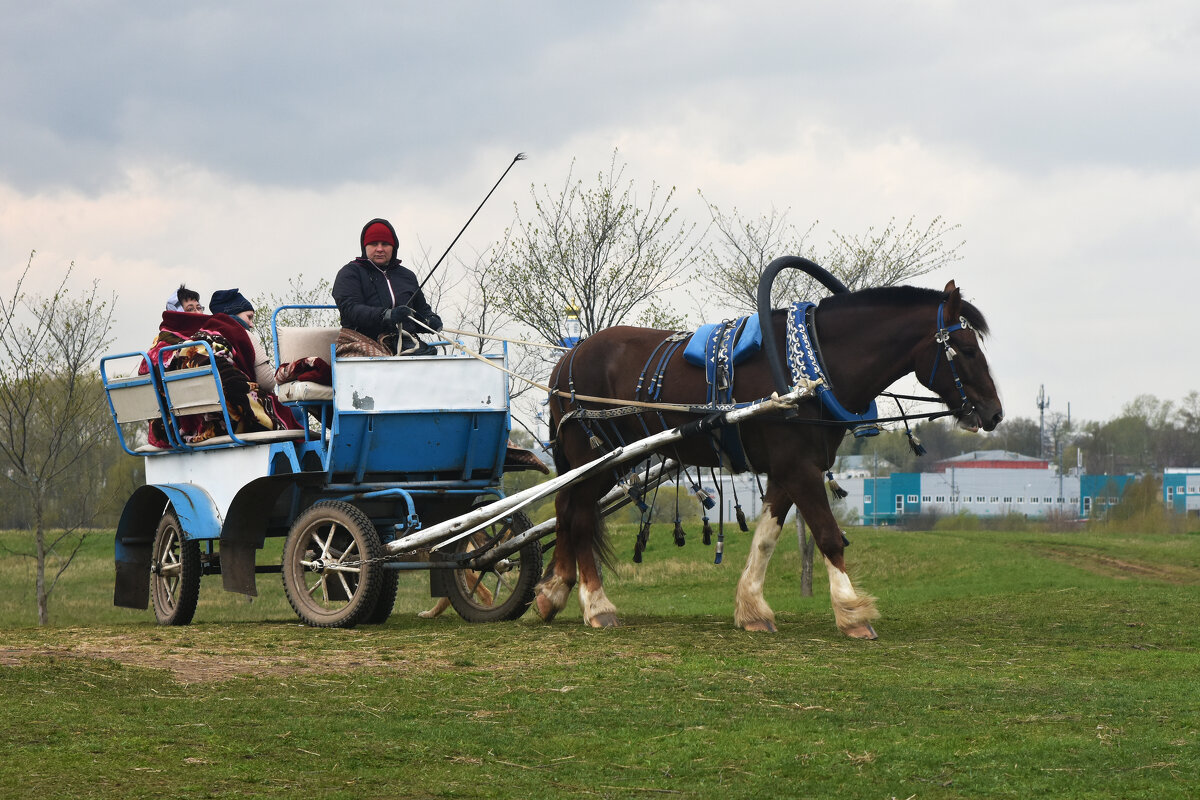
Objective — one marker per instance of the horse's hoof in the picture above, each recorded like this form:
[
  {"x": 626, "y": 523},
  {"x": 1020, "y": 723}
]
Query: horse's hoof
[
  {"x": 864, "y": 631},
  {"x": 760, "y": 626},
  {"x": 545, "y": 609},
  {"x": 426, "y": 614},
  {"x": 604, "y": 620}
]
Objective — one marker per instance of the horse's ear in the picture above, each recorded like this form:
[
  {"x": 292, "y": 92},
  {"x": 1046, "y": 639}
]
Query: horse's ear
[{"x": 953, "y": 301}]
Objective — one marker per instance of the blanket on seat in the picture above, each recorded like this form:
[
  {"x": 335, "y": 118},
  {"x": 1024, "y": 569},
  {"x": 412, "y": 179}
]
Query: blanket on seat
[
  {"x": 250, "y": 410},
  {"x": 312, "y": 368}
]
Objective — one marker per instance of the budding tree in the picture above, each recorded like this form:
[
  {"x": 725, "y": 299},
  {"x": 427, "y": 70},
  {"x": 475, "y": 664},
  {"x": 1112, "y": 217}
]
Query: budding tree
[
  {"x": 741, "y": 249},
  {"x": 596, "y": 248},
  {"x": 52, "y": 415}
]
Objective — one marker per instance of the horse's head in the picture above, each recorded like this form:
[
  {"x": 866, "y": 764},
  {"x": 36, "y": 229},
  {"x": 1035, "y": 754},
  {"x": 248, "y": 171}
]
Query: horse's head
[{"x": 954, "y": 365}]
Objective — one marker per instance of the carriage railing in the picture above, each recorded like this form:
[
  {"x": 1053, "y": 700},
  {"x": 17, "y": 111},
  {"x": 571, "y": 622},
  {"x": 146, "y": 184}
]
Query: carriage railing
[
  {"x": 170, "y": 395},
  {"x": 194, "y": 390},
  {"x": 134, "y": 399}
]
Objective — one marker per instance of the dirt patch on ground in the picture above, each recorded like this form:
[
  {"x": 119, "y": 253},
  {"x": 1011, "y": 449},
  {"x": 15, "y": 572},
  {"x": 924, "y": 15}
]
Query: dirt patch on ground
[
  {"x": 209, "y": 662},
  {"x": 1110, "y": 566}
]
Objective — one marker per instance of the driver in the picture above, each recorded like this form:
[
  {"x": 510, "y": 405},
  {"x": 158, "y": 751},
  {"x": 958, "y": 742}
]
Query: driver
[{"x": 378, "y": 296}]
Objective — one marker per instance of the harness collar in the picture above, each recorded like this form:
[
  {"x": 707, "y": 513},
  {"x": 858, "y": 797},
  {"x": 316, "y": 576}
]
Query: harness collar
[{"x": 804, "y": 361}]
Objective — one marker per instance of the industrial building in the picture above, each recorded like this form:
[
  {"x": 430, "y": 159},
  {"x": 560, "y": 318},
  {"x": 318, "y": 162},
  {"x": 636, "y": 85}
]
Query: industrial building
[{"x": 988, "y": 483}]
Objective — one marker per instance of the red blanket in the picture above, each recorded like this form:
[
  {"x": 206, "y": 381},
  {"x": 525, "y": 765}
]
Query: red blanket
[{"x": 249, "y": 409}]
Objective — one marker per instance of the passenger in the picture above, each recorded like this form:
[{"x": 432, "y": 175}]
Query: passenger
[
  {"x": 184, "y": 299},
  {"x": 231, "y": 302},
  {"x": 379, "y": 298}
]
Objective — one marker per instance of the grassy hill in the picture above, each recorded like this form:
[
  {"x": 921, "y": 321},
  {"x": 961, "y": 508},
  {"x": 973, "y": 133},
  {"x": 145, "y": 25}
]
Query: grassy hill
[{"x": 1008, "y": 665}]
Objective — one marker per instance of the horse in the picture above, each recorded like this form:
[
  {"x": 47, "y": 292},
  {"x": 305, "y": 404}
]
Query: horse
[{"x": 868, "y": 340}]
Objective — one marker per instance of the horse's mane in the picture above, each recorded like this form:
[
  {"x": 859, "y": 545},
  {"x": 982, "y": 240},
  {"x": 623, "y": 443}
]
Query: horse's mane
[{"x": 903, "y": 296}]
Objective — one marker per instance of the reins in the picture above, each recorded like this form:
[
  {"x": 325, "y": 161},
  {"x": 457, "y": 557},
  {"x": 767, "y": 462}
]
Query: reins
[{"x": 629, "y": 407}]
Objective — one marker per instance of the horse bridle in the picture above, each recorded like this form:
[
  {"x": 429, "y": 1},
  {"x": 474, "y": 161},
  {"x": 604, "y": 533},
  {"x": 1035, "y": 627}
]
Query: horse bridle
[{"x": 942, "y": 337}]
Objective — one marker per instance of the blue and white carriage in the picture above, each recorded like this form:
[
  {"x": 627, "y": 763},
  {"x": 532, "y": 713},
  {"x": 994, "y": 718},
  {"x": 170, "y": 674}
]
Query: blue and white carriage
[{"x": 392, "y": 446}]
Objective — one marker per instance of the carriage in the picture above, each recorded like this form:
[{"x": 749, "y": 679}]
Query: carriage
[
  {"x": 390, "y": 449},
  {"x": 386, "y": 447}
]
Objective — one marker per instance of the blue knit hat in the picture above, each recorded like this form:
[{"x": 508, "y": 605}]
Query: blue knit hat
[{"x": 228, "y": 301}]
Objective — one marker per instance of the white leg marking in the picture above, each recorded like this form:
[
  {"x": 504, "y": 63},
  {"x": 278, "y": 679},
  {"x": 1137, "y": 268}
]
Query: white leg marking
[
  {"x": 750, "y": 608},
  {"x": 595, "y": 604},
  {"x": 442, "y": 604},
  {"x": 850, "y": 609},
  {"x": 555, "y": 590}
]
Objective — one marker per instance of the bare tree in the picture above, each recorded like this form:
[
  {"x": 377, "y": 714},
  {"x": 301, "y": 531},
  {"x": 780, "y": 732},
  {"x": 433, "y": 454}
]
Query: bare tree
[
  {"x": 297, "y": 294},
  {"x": 893, "y": 256},
  {"x": 741, "y": 250},
  {"x": 52, "y": 416},
  {"x": 595, "y": 248}
]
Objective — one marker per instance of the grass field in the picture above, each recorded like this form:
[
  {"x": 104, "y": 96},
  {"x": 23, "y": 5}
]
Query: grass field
[{"x": 1009, "y": 665}]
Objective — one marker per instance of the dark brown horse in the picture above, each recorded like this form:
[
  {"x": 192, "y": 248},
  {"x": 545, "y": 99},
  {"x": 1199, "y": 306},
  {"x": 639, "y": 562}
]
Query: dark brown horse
[{"x": 868, "y": 339}]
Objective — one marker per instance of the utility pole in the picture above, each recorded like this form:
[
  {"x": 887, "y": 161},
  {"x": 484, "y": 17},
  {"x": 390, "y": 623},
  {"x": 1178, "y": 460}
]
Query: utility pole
[{"x": 1043, "y": 403}]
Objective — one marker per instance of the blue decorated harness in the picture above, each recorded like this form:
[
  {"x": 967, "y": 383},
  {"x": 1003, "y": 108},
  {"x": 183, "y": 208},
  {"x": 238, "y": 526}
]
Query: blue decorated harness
[{"x": 805, "y": 362}]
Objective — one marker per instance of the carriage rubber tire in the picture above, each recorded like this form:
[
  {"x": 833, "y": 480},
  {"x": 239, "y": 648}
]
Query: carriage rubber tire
[
  {"x": 174, "y": 595},
  {"x": 388, "y": 587},
  {"x": 520, "y": 589},
  {"x": 348, "y": 524}
]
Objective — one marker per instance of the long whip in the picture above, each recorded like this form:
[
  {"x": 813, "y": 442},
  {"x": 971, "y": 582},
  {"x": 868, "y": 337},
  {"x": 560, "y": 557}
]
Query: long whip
[{"x": 518, "y": 157}]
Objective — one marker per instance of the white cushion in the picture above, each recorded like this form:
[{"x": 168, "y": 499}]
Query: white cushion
[{"x": 298, "y": 343}]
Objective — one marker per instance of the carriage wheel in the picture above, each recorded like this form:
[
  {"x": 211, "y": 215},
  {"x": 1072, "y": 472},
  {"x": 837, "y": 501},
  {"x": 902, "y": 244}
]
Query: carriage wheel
[
  {"x": 504, "y": 590},
  {"x": 324, "y": 576},
  {"x": 174, "y": 573},
  {"x": 389, "y": 585}
]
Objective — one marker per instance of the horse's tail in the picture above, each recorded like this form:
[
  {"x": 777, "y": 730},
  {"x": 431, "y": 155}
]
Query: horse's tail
[{"x": 560, "y": 460}]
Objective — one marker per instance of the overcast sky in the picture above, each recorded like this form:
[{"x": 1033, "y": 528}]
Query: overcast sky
[{"x": 243, "y": 144}]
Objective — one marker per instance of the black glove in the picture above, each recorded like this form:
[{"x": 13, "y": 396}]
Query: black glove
[
  {"x": 434, "y": 321},
  {"x": 398, "y": 314}
]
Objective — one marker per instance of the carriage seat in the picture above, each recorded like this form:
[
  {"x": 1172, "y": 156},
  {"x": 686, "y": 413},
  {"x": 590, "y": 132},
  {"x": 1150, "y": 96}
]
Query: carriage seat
[
  {"x": 296, "y": 345},
  {"x": 258, "y": 437}
]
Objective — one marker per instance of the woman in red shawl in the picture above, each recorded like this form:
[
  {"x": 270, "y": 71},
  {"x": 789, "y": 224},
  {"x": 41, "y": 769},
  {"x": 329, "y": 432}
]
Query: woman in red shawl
[{"x": 251, "y": 407}]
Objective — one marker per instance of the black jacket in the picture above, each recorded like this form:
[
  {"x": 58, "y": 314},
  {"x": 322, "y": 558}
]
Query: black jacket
[{"x": 365, "y": 295}]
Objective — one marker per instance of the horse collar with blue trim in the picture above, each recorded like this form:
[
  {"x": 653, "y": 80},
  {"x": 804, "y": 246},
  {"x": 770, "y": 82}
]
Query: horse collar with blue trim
[{"x": 804, "y": 361}]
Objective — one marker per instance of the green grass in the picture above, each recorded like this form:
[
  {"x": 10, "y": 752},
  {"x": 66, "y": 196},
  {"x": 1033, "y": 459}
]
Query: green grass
[{"x": 1009, "y": 665}]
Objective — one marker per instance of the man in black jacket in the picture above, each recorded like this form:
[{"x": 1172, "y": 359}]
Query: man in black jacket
[{"x": 376, "y": 294}]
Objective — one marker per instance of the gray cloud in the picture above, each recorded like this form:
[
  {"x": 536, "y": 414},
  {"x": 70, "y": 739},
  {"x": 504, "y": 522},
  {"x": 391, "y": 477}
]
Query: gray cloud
[{"x": 308, "y": 94}]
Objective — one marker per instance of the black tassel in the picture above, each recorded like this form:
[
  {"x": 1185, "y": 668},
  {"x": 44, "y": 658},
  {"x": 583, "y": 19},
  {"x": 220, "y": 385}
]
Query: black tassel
[
  {"x": 642, "y": 538},
  {"x": 915, "y": 444},
  {"x": 741, "y": 520},
  {"x": 845, "y": 541},
  {"x": 680, "y": 536},
  {"x": 720, "y": 547},
  {"x": 707, "y": 532},
  {"x": 835, "y": 489}
]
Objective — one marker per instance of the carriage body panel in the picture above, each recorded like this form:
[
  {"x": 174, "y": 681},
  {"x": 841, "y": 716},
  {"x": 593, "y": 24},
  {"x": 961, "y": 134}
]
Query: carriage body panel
[
  {"x": 437, "y": 417},
  {"x": 401, "y": 441}
]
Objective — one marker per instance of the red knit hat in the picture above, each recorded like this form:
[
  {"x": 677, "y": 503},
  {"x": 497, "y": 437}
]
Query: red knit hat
[{"x": 378, "y": 232}]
